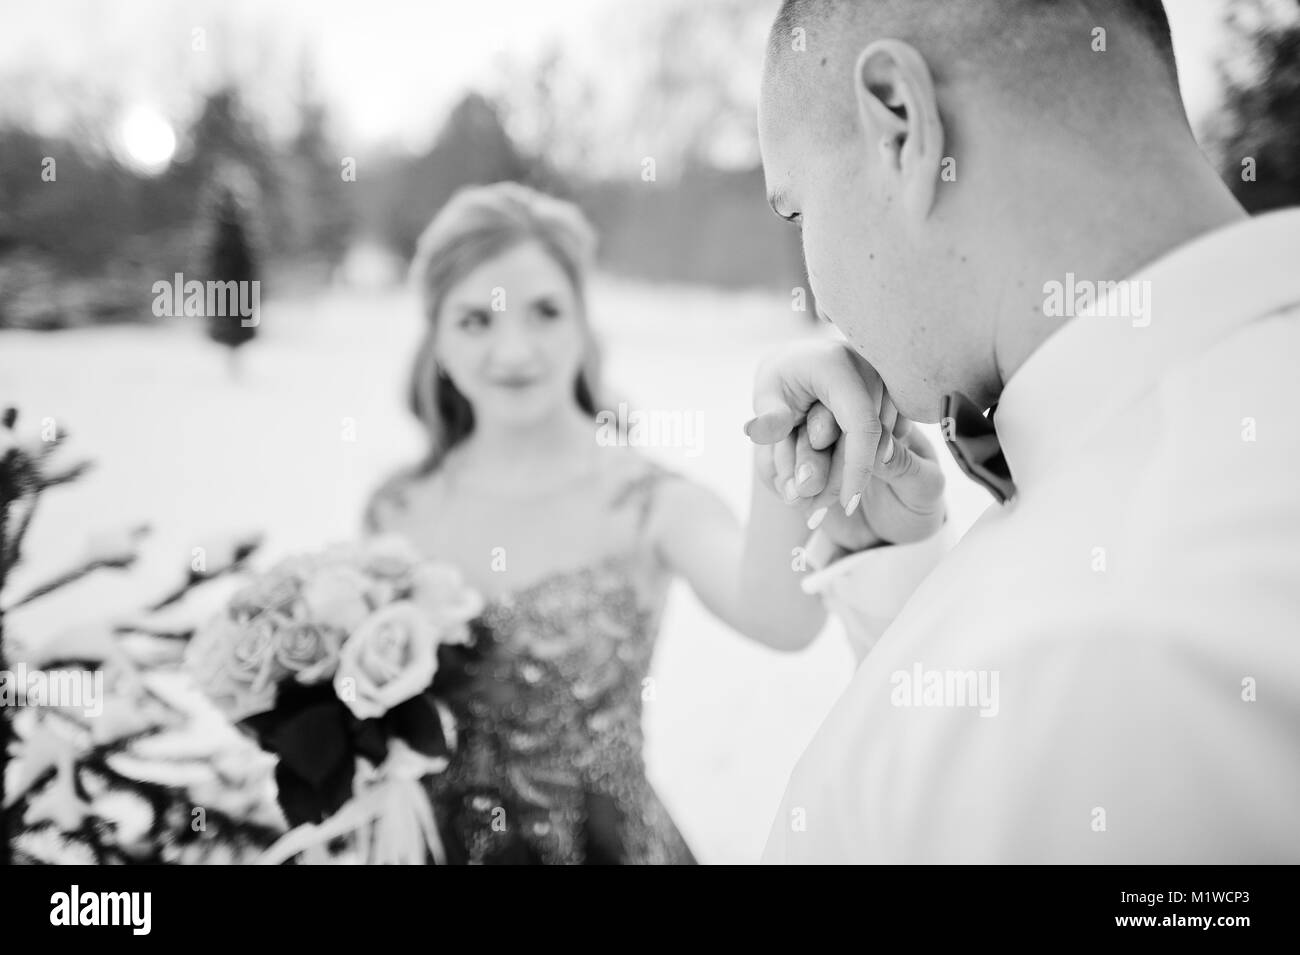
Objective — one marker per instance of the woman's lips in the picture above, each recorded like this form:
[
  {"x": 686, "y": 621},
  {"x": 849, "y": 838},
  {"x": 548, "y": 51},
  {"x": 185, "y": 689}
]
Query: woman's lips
[{"x": 514, "y": 383}]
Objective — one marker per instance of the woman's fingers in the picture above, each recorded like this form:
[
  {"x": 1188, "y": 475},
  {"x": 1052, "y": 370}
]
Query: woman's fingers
[
  {"x": 773, "y": 425},
  {"x": 783, "y": 461},
  {"x": 826, "y": 512},
  {"x": 785, "y": 392},
  {"x": 764, "y": 468},
  {"x": 798, "y": 449}
]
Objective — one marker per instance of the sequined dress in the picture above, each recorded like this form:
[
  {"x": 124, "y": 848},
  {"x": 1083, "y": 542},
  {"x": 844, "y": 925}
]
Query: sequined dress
[{"x": 549, "y": 765}]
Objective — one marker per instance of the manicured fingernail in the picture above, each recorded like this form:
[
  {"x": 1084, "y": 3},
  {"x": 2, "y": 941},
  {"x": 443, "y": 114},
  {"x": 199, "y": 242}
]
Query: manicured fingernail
[
  {"x": 815, "y": 519},
  {"x": 803, "y": 474},
  {"x": 889, "y": 450},
  {"x": 790, "y": 493},
  {"x": 854, "y": 501},
  {"x": 749, "y": 424}
]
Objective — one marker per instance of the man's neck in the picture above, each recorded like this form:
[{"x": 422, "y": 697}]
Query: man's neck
[{"x": 1104, "y": 233}]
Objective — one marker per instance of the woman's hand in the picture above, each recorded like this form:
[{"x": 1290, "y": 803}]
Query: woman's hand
[{"x": 832, "y": 442}]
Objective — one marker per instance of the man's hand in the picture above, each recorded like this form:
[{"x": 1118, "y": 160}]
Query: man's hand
[{"x": 830, "y": 440}]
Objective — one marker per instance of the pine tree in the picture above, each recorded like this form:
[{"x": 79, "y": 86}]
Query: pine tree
[{"x": 231, "y": 257}]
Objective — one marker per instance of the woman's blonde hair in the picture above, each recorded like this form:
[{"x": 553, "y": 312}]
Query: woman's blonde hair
[{"x": 477, "y": 224}]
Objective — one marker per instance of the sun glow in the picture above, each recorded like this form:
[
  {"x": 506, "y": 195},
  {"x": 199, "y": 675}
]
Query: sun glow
[{"x": 146, "y": 141}]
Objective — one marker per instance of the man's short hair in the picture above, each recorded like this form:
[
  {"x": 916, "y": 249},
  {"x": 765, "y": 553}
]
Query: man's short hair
[{"x": 1149, "y": 15}]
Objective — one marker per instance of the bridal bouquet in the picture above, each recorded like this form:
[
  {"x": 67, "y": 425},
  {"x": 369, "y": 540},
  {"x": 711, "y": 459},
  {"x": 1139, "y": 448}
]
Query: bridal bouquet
[{"x": 329, "y": 661}]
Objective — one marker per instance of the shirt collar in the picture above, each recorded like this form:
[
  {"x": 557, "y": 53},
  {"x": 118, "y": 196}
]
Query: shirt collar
[{"x": 1082, "y": 376}]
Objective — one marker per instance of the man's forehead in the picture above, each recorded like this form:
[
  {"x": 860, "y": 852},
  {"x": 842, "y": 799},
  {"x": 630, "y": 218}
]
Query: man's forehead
[
  {"x": 777, "y": 147},
  {"x": 779, "y": 108},
  {"x": 782, "y": 85},
  {"x": 807, "y": 94}
]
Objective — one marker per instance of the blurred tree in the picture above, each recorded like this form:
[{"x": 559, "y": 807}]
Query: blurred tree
[
  {"x": 548, "y": 108},
  {"x": 231, "y": 255},
  {"x": 222, "y": 132},
  {"x": 316, "y": 193},
  {"x": 701, "y": 88},
  {"x": 397, "y": 200},
  {"x": 61, "y": 199},
  {"x": 225, "y": 137},
  {"x": 84, "y": 233},
  {"x": 1258, "y": 134},
  {"x": 675, "y": 81}
]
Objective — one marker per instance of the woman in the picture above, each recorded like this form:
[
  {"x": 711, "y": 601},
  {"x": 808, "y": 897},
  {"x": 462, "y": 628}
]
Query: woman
[{"x": 573, "y": 544}]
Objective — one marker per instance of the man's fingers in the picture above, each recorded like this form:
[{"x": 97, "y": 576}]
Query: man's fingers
[
  {"x": 903, "y": 428},
  {"x": 888, "y": 416},
  {"x": 822, "y": 429},
  {"x": 810, "y": 466},
  {"x": 826, "y": 500},
  {"x": 825, "y": 511},
  {"x": 912, "y": 437},
  {"x": 916, "y": 480}
]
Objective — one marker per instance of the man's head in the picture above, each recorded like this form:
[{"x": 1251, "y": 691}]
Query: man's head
[{"x": 926, "y": 146}]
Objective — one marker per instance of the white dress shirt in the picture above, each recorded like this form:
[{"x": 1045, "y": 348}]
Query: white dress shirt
[{"x": 1106, "y": 669}]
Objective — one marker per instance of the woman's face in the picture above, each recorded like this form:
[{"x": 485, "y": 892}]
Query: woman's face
[{"x": 510, "y": 338}]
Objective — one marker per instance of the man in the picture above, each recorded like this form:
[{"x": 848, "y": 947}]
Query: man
[{"x": 1003, "y": 207}]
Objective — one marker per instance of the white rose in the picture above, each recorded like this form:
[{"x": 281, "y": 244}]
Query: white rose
[
  {"x": 392, "y": 657},
  {"x": 441, "y": 592}
]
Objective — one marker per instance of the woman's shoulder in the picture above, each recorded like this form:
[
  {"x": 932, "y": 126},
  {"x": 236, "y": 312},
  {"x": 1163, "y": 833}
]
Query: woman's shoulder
[
  {"x": 637, "y": 482},
  {"x": 629, "y": 470},
  {"x": 391, "y": 500}
]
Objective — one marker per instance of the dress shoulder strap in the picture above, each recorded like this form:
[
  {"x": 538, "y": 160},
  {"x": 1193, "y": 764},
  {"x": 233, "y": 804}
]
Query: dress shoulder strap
[
  {"x": 387, "y": 501},
  {"x": 639, "y": 489}
]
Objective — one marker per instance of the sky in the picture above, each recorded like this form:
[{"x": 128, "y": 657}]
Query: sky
[{"x": 391, "y": 68}]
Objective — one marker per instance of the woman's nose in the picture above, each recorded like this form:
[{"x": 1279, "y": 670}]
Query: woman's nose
[{"x": 512, "y": 342}]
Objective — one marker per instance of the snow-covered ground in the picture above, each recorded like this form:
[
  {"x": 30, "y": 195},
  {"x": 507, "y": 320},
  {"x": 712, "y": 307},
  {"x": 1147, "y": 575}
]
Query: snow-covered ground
[{"x": 181, "y": 446}]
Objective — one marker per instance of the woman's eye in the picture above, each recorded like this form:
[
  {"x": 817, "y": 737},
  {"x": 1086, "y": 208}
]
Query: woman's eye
[
  {"x": 548, "y": 309},
  {"x": 474, "y": 321}
]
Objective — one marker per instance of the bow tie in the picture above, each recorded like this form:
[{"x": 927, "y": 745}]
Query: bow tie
[{"x": 973, "y": 441}]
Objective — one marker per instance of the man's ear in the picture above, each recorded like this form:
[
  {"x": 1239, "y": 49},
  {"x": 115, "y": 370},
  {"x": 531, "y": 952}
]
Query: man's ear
[{"x": 900, "y": 118}]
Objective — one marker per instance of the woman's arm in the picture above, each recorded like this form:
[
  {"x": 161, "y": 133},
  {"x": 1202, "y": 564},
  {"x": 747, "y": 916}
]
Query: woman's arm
[{"x": 748, "y": 580}]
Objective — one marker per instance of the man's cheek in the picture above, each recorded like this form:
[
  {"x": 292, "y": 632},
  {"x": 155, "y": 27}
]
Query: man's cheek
[
  {"x": 829, "y": 284},
  {"x": 818, "y": 268}
]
